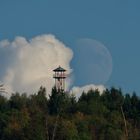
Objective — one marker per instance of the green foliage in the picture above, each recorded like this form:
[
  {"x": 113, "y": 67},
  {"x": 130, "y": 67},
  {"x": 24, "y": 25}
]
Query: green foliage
[{"x": 93, "y": 116}]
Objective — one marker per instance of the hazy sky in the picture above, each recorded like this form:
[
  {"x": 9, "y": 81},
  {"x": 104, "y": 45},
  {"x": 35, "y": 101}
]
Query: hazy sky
[{"x": 114, "y": 23}]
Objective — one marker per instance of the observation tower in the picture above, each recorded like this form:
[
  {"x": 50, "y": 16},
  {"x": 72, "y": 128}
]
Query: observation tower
[{"x": 59, "y": 77}]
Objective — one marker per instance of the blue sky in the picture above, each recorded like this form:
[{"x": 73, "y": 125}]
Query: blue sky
[{"x": 115, "y": 23}]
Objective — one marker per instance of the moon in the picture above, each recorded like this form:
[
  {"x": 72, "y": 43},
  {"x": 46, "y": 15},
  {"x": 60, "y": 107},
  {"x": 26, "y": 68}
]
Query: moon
[{"x": 92, "y": 62}]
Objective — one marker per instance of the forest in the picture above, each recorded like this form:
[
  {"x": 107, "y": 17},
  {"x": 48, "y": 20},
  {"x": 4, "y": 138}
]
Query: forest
[{"x": 112, "y": 115}]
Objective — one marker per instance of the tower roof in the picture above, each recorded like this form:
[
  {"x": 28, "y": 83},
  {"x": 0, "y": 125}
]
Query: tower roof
[{"x": 59, "y": 69}]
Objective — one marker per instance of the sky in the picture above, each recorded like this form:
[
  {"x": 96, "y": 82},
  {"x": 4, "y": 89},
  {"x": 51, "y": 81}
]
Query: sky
[{"x": 112, "y": 26}]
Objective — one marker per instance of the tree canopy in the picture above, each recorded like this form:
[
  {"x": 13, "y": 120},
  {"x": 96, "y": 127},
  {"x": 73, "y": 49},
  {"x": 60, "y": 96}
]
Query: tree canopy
[{"x": 94, "y": 116}]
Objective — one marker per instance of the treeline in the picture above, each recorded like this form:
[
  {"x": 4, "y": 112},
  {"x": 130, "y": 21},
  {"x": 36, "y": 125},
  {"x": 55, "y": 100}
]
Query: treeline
[{"x": 109, "y": 116}]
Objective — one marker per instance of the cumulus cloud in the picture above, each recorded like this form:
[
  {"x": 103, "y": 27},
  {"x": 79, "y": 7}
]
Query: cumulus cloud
[
  {"x": 77, "y": 91},
  {"x": 25, "y": 65},
  {"x": 28, "y": 64}
]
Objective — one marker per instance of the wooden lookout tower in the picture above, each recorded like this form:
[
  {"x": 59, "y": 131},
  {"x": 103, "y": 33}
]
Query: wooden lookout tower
[{"x": 59, "y": 77}]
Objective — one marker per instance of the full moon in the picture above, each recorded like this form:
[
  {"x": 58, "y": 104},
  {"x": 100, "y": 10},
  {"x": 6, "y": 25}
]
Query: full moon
[{"x": 92, "y": 62}]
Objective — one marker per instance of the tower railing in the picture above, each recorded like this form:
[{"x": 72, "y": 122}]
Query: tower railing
[{"x": 59, "y": 75}]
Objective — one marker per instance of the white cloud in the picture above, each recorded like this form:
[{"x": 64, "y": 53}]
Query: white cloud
[
  {"x": 77, "y": 91},
  {"x": 28, "y": 64},
  {"x": 31, "y": 62}
]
